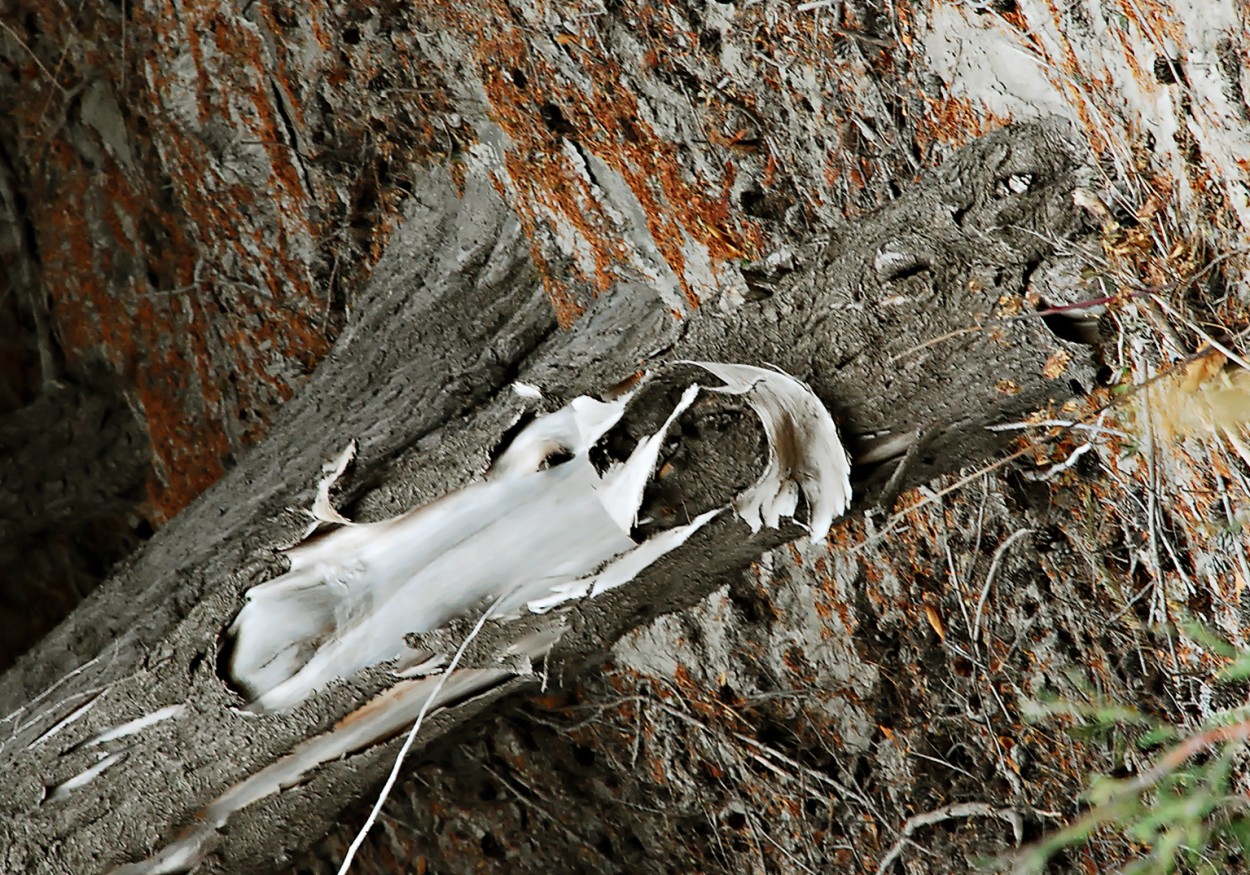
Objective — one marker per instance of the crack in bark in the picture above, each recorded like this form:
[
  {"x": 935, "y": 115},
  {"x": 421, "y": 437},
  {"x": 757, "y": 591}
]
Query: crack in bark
[{"x": 412, "y": 395}]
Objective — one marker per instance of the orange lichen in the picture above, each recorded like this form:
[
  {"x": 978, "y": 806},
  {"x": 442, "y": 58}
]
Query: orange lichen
[
  {"x": 954, "y": 121},
  {"x": 1056, "y": 364},
  {"x": 132, "y": 264},
  {"x": 548, "y": 120}
]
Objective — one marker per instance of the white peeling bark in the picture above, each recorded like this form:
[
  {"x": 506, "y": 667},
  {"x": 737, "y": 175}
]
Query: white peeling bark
[
  {"x": 426, "y": 430},
  {"x": 542, "y": 528}
]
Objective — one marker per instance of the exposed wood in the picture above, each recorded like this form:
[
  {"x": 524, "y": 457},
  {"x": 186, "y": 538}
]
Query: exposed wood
[{"x": 202, "y": 202}]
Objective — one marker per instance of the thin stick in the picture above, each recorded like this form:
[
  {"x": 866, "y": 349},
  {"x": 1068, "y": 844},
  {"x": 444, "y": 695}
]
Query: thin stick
[
  {"x": 951, "y": 812},
  {"x": 989, "y": 579},
  {"x": 1197, "y": 330},
  {"x": 21, "y": 42},
  {"x": 412, "y": 735}
]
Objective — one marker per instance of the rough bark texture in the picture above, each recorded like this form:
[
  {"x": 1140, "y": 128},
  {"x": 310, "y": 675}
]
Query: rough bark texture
[
  {"x": 474, "y": 273},
  {"x": 199, "y": 200}
]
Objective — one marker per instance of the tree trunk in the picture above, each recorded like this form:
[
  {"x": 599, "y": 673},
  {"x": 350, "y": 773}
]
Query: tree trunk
[{"x": 463, "y": 200}]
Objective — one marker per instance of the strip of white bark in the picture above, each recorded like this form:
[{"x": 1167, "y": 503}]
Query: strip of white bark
[{"x": 530, "y": 536}]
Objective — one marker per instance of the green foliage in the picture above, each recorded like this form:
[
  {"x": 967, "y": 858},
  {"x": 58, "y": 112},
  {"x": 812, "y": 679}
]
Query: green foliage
[{"x": 1181, "y": 808}]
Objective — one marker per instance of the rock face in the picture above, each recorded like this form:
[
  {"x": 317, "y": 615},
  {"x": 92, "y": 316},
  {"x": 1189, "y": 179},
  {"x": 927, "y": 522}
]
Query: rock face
[{"x": 428, "y": 204}]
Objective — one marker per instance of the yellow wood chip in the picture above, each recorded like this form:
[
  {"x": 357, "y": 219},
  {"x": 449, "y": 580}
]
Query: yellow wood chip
[{"x": 1056, "y": 364}]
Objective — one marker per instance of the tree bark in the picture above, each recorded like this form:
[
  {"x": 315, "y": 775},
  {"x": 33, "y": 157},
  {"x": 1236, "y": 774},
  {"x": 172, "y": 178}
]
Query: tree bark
[
  {"x": 826, "y": 323},
  {"x": 571, "y": 236}
]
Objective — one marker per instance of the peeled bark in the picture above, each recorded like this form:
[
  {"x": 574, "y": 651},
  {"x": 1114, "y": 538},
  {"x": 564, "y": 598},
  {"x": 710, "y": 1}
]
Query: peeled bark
[
  {"x": 420, "y": 379},
  {"x": 430, "y": 181}
]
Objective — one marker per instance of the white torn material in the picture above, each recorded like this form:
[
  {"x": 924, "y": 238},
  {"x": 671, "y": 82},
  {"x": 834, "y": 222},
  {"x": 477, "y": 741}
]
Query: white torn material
[
  {"x": 624, "y": 569},
  {"x": 85, "y": 777},
  {"x": 383, "y": 717},
  {"x": 805, "y": 454},
  {"x": 527, "y": 390},
  {"x": 572, "y": 430},
  {"x": 353, "y": 595},
  {"x": 323, "y": 510},
  {"x": 180, "y": 856},
  {"x": 544, "y": 527},
  {"x": 130, "y": 727},
  {"x": 420, "y": 666}
]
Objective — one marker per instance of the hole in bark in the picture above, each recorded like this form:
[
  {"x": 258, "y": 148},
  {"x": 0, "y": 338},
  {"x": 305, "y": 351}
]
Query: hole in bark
[
  {"x": 519, "y": 79},
  {"x": 583, "y": 755},
  {"x": 773, "y": 734},
  {"x": 555, "y": 121},
  {"x": 1168, "y": 70},
  {"x": 747, "y": 604},
  {"x": 225, "y": 649},
  {"x": 1074, "y": 326},
  {"x": 756, "y": 290},
  {"x": 586, "y": 164},
  {"x": 905, "y": 272},
  {"x": 736, "y": 820},
  {"x": 491, "y": 847},
  {"x": 351, "y": 36},
  {"x": 285, "y": 16},
  {"x": 709, "y": 40},
  {"x": 604, "y": 846},
  {"x": 764, "y": 205},
  {"x": 894, "y": 263},
  {"x": 555, "y": 459},
  {"x": 510, "y": 433}
]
